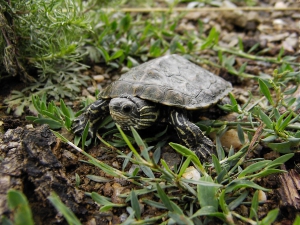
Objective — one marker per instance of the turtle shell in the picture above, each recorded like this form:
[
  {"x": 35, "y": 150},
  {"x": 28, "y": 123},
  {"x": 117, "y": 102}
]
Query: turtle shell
[{"x": 170, "y": 80}]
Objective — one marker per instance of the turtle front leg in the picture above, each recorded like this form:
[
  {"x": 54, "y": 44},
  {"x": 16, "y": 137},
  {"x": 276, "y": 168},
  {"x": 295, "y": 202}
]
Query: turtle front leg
[
  {"x": 95, "y": 113},
  {"x": 191, "y": 135}
]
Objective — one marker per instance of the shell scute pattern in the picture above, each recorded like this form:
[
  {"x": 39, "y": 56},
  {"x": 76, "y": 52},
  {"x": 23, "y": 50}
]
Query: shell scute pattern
[{"x": 171, "y": 80}]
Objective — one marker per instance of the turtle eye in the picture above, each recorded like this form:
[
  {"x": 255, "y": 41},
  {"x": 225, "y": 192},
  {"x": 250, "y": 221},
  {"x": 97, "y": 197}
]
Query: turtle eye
[{"x": 127, "y": 109}]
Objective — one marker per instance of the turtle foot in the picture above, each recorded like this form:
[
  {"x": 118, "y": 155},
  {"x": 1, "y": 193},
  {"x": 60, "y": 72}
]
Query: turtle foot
[
  {"x": 205, "y": 149},
  {"x": 79, "y": 125}
]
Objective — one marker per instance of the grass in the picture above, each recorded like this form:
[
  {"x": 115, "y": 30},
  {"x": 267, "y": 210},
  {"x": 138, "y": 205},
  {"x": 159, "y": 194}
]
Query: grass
[{"x": 122, "y": 41}]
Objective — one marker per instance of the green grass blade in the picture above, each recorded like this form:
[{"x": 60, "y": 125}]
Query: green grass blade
[
  {"x": 64, "y": 109},
  {"x": 265, "y": 90},
  {"x": 254, "y": 167},
  {"x": 53, "y": 124},
  {"x": 235, "y": 184},
  {"x": 254, "y": 205},
  {"x": 18, "y": 203},
  {"x": 236, "y": 202},
  {"x": 187, "y": 152},
  {"x": 270, "y": 218},
  {"x": 85, "y": 134},
  {"x": 140, "y": 143},
  {"x": 64, "y": 210},
  {"x": 135, "y": 205},
  {"x": 266, "y": 119},
  {"x": 206, "y": 194},
  {"x": 280, "y": 160},
  {"x": 164, "y": 198}
]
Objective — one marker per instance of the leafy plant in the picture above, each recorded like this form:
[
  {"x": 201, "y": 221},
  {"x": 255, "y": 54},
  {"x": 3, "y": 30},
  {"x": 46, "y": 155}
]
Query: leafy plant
[{"x": 56, "y": 117}]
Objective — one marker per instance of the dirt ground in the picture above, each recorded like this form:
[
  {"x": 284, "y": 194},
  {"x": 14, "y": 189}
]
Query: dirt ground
[{"x": 41, "y": 163}]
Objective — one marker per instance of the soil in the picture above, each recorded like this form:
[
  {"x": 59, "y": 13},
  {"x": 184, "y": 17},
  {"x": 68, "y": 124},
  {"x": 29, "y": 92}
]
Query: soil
[{"x": 34, "y": 161}]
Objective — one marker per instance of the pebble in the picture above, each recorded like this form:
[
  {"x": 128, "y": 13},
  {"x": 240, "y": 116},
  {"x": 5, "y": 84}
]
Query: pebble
[
  {"x": 116, "y": 164},
  {"x": 193, "y": 15},
  {"x": 293, "y": 40},
  {"x": 91, "y": 89},
  {"x": 231, "y": 138},
  {"x": 123, "y": 217},
  {"x": 191, "y": 173},
  {"x": 117, "y": 189},
  {"x": 69, "y": 158},
  {"x": 280, "y": 5},
  {"x": 262, "y": 197},
  {"x": 107, "y": 190},
  {"x": 98, "y": 78},
  {"x": 296, "y": 15},
  {"x": 278, "y": 24},
  {"x": 98, "y": 69},
  {"x": 171, "y": 159},
  {"x": 132, "y": 169}
]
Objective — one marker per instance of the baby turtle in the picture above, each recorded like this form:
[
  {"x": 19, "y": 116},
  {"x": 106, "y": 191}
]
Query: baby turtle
[{"x": 161, "y": 90}]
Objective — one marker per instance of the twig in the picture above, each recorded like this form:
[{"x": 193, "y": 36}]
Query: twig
[{"x": 206, "y": 9}]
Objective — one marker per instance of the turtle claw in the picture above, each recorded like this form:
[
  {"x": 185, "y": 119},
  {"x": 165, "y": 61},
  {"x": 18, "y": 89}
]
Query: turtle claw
[
  {"x": 94, "y": 114},
  {"x": 79, "y": 125},
  {"x": 205, "y": 150}
]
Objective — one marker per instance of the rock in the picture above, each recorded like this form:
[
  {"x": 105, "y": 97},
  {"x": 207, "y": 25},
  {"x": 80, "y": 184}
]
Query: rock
[
  {"x": 98, "y": 78},
  {"x": 28, "y": 159},
  {"x": 262, "y": 197},
  {"x": 230, "y": 138},
  {"x": 98, "y": 69},
  {"x": 172, "y": 159},
  {"x": 117, "y": 190},
  {"x": 91, "y": 89},
  {"x": 107, "y": 190},
  {"x": 279, "y": 24},
  {"x": 280, "y": 5},
  {"x": 69, "y": 158},
  {"x": 191, "y": 173},
  {"x": 236, "y": 17}
]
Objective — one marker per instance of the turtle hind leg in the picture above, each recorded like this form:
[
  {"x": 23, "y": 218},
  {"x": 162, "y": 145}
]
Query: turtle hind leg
[
  {"x": 191, "y": 135},
  {"x": 94, "y": 113}
]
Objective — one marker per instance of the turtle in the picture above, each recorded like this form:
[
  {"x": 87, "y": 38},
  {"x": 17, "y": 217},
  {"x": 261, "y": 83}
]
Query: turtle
[{"x": 164, "y": 89}]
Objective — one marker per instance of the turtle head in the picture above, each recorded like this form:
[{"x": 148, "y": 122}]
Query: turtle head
[{"x": 132, "y": 111}]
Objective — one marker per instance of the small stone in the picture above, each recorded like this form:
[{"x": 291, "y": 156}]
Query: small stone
[
  {"x": 172, "y": 159},
  {"x": 287, "y": 47},
  {"x": 69, "y": 158},
  {"x": 98, "y": 78},
  {"x": 193, "y": 15},
  {"x": 116, "y": 164},
  {"x": 115, "y": 77},
  {"x": 191, "y": 173},
  {"x": 296, "y": 15},
  {"x": 117, "y": 190},
  {"x": 107, "y": 190},
  {"x": 29, "y": 126},
  {"x": 132, "y": 168},
  {"x": 92, "y": 222},
  {"x": 91, "y": 89},
  {"x": 85, "y": 92},
  {"x": 231, "y": 138},
  {"x": 292, "y": 40},
  {"x": 98, "y": 69},
  {"x": 279, "y": 24},
  {"x": 123, "y": 217},
  {"x": 280, "y": 5},
  {"x": 244, "y": 210},
  {"x": 262, "y": 197}
]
